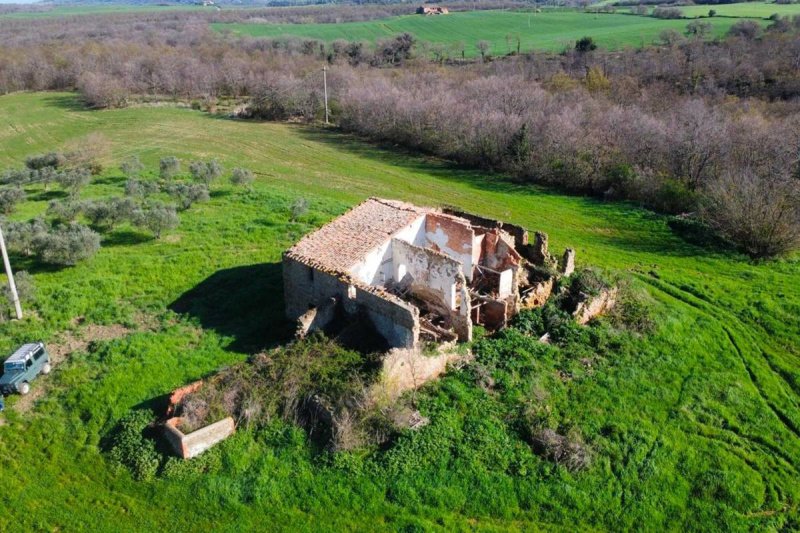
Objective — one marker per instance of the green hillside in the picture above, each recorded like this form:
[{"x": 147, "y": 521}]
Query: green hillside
[
  {"x": 548, "y": 30},
  {"x": 695, "y": 427}
]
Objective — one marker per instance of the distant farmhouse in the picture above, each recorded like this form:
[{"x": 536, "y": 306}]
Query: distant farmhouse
[
  {"x": 416, "y": 273},
  {"x": 432, "y": 10}
]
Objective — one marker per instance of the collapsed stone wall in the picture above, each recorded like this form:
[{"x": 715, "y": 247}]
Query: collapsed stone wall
[
  {"x": 439, "y": 281},
  {"x": 519, "y": 233}
]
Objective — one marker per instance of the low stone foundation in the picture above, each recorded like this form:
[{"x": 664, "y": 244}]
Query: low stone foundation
[{"x": 194, "y": 443}]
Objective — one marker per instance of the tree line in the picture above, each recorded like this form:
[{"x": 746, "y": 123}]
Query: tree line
[{"x": 708, "y": 130}]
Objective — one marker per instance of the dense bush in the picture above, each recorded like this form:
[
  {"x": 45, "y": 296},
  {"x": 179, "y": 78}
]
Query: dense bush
[
  {"x": 50, "y": 159},
  {"x": 131, "y": 445},
  {"x": 745, "y": 29},
  {"x": 761, "y": 213},
  {"x": 585, "y": 44},
  {"x": 673, "y": 158},
  {"x": 285, "y": 97},
  {"x": 314, "y": 383},
  {"x": 667, "y": 13}
]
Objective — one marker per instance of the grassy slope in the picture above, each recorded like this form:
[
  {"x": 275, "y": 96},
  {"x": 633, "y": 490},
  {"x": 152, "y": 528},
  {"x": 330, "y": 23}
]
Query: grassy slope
[
  {"x": 549, "y": 30},
  {"x": 701, "y": 430}
]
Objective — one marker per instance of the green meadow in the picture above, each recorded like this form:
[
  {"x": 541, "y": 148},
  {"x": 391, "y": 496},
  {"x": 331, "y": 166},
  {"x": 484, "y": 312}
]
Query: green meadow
[
  {"x": 743, "y": 10},
  {"x": 550, "y": 30},
  {"x": 98, "y": 9},
  {"x": 695, "y": 426}
]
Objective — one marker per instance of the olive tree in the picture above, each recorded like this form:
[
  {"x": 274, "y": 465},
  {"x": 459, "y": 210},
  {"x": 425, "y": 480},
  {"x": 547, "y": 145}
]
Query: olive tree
[
  {"x": 64, "y": 211},
  {"x": 20, "y": 236},
  {"x": 107, "y": 214},
  {"x": 169, "y": 167},
  {"x": 206, "y": 172},
  {"x": 187, "y": 194},
  {"x": 9, "y": 198},
  {"x": 242, "y": 177},
  {"x": 73, "y": 180},
  {"x": 66, "y": 245},
  {"x": 298, "y": 208},
  {"x": 157, "y": 218},
  {"x": 140, "y": 188},
  {"x": 131, "y": 167}
]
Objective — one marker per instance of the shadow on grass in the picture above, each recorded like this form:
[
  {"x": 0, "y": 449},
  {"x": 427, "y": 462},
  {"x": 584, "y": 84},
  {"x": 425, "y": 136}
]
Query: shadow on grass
[
  {"x": 629, "y": 226},
  {"x": 46, "y": 196},
  {"x": 71, "y": 102},
  {"x": 219, "y": 193},
  {"x": 110, "y": 180},
  {"x": 126, "y": 238},
  {"x": 244, "y": 302}
]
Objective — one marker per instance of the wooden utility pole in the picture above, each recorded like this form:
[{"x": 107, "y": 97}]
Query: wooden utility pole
[
  {"x": 11, "y": 285},
  {"x": 325, "y": 84}
]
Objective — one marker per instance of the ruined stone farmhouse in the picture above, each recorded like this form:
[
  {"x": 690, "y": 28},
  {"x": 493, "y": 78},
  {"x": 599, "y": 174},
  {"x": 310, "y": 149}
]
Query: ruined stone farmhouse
[
  {"x": 432, "y": 10},
  {"x": 416, "y": 273}
]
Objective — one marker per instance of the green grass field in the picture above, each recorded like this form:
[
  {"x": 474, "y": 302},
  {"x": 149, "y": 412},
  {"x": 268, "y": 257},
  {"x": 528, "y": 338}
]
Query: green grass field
[
  {"x": 66, "y": 11},
  {"x": 696, "y": 427},
  {"x": 744, "y": 10},
  {"x": 549, "y": 30}
]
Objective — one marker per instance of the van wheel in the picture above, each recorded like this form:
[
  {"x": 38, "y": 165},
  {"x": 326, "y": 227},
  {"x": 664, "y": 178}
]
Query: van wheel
[
  {"x": 46, "y": 368},
  {"x": 24, "y": 389}
]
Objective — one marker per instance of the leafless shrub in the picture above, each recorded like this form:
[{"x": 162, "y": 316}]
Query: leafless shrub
[
  {"x": 760, "y": 212},
  {"x": 567, "y": 450}
]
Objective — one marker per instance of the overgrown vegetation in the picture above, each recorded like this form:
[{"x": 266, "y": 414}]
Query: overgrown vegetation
[{"x": 689, "y": 426}]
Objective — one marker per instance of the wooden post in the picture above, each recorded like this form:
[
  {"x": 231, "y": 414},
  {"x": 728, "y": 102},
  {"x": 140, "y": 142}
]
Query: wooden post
[{"x": 11, "y": 285}]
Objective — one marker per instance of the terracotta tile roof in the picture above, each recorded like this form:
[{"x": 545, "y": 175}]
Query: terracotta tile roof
[{"x": 348, "y": 239}]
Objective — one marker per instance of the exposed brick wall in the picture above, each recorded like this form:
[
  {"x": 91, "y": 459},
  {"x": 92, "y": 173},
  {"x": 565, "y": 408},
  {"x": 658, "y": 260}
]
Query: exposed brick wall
[
  {"x": 451, "y": 236},
  {"x": 519, "y": 233}
]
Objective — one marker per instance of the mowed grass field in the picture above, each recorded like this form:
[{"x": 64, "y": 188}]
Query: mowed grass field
[
  {"x": 66, "y": 11},
  {"x": 743, "y": 10},
  {"x": 699, "y": 429},
  {"x": 549, "y": 30}
]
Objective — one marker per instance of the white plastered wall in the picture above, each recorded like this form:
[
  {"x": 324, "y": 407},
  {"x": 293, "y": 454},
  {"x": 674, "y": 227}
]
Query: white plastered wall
[{"x": 377, "y": 267}]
